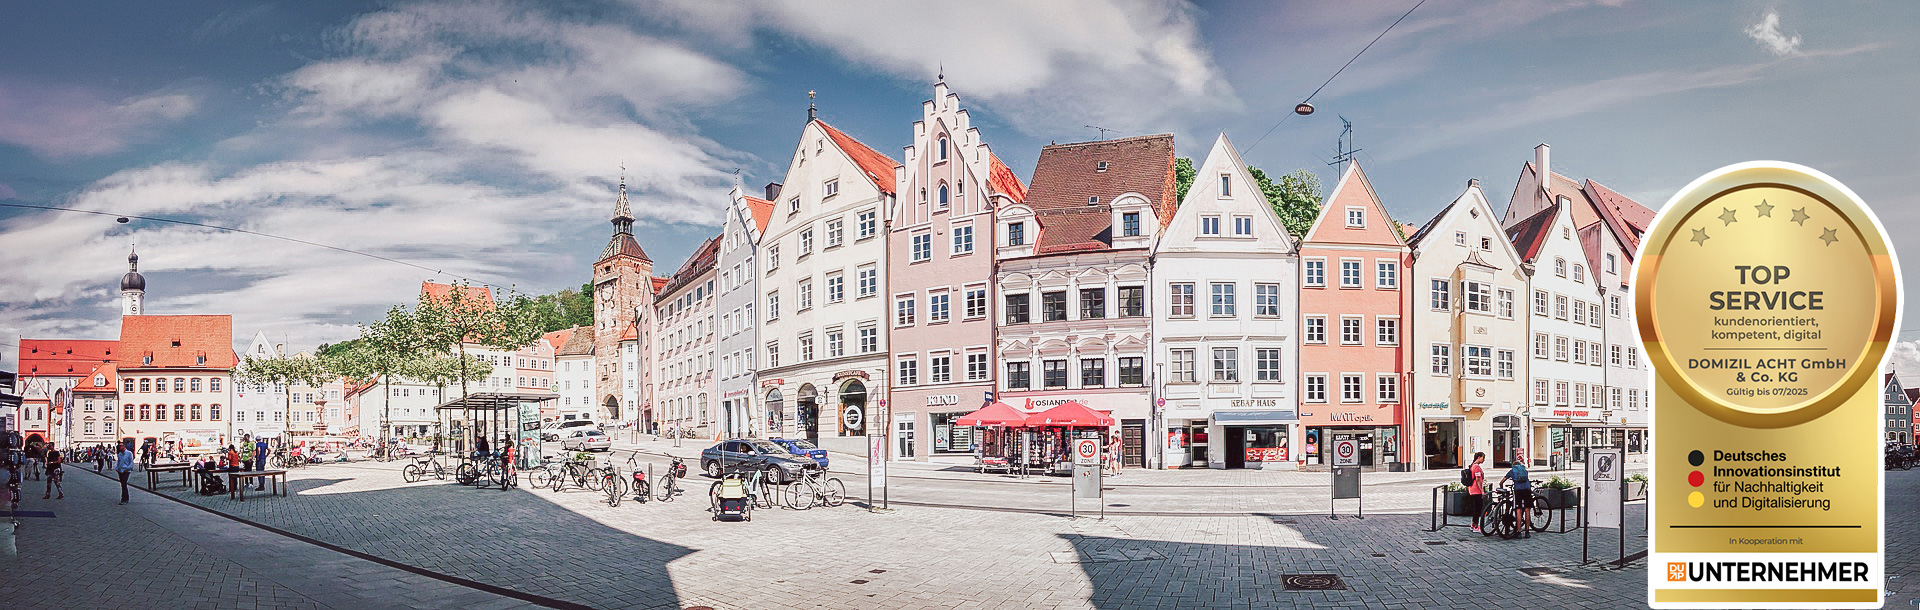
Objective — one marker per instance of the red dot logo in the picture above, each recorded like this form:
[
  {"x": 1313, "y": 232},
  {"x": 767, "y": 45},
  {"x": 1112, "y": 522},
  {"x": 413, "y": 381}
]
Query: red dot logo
[{"x": 1696, "y": 479}]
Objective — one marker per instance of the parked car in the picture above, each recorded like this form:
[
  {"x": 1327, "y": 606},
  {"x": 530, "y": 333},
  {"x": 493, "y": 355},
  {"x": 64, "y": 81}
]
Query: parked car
[
  {"x": 745, "y": 455},
  {"x": 554, "y": 431},
  {"x": 586, "y": 439},
  {"x": 800, "y": 446}
]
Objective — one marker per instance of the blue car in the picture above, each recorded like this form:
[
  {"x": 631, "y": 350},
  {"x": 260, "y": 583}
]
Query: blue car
[{"x": 802, "y": 447}]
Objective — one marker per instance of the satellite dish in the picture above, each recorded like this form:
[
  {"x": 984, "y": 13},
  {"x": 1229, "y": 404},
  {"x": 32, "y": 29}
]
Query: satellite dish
[{"x": 1303, "y": 109}]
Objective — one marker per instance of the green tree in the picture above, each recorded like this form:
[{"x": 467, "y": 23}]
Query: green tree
[
  {"x": 283, "y": 371},
  {"x": 388, "y": 348},
  {"x": 449, "y": 325},
  {"x": 1183, "y": 174},
  {"x": 1295, "y": 197}
]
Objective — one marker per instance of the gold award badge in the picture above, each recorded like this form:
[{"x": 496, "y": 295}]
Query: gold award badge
[{"x": 1766, "y": 295}]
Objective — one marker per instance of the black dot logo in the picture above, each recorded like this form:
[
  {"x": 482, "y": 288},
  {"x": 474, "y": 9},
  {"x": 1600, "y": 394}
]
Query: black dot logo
[{"x": 1696, "y": 458}]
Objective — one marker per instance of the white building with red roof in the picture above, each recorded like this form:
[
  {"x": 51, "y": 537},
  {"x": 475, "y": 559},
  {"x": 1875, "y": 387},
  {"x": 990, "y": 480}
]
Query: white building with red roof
[
  {"x": 825, "y": 346},
  {"x": 176, "y": 379}
]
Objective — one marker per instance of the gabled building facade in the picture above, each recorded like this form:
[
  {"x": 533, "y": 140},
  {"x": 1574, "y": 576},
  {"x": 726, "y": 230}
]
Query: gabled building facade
[
  {"x": 1896, "y": 409},
  {"x": 686, "y": 344},
  {"x": 1567, "y": 385},
  {"x": 1072, "y": 281},
  {"x": 95, "y": 407},
  {"x": 575, "y": 376},
  {"x": 822, "y": 310},
  {"x": 1225, "y": 313},
  {"x": 176, "y": 375},
  {"x": 940, "y": 268},
  {"x": 1469, "y": 337},
  {"x": 742, "y": 412},
  {"x": 1353, "y": 351}
]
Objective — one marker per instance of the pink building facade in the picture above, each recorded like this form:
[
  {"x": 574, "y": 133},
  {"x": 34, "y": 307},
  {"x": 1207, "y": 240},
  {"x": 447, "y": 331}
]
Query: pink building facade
[
  {"x": 1353, "y": 329},
  {"x": 940, "y": 270}
]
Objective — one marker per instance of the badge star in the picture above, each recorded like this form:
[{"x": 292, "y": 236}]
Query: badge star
[
  {"x": 1765, "y": 209},
  {"x": 1700, "y": 237},
  {"x": 1828, "y": 237},
  {"x": 1800, "y": 216},
  {"x": 1726, "y": 216}
]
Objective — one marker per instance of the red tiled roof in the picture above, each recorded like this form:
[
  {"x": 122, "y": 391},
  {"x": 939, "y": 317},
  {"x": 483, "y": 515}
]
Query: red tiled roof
[
  {"x": 1002, "y": 180},
  {"x": 1067, "y": 175},
  {"x": 632, "y": 334},
  {"x": 660, "y": 282},
  {"x": 108, "y": 370},
  {"x": 177, "y": 342},
  {"x": 703, "y": 259},
  {"x": 64, "y": 357},
  {"x": 441, "y": 292},
  {"x": 559, "y": 338},
  {"x": 878, "y": 167},
  {"x": 1913, "y": 395},
  {"x": 1626, "y": 217},
  {"x": 1529, "y": 234},
  {"x": 762, "y": 212}
]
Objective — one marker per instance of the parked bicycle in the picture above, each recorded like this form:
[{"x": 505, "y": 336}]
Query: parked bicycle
[
  {"x": 813, "y": 487},
  {"x": 555, "y": 474},
  {"x": 422, "y": 466},
  {"x": 1901, "y": 457},
  {"x": 669, "y": 483},
  {"x": 637, "y": 482},
  {"x": 1503, "y": 515}
]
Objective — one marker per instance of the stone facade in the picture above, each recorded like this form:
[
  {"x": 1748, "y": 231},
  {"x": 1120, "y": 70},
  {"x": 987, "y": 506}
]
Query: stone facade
[{"x": 623, "y": 303}]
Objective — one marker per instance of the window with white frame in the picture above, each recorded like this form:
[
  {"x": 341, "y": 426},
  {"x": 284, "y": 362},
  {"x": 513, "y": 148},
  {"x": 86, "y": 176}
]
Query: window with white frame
[
  {"x": 1540, "y": 303},
  {"x": 1180, "y": 299},
  {"x": 963, "y": 239},
  {"x": 869, "y": 223},
  {"x": 1389, "y": 387},
  {"x": 1477, "y": 361},
  {"x": 1350, "y": 330},
  {"x": 1540, "y": 345},
  {"x": 904, "y": 310},
  {"x": 1540, "y": 391},
  {"x": 922, "y": 247},
  {"x": 1479, "y": 296},
  {"x": 1266, "y": 300},
  {"x": 1315, "y": 331},
  {"x": 1243, "y": 226},
  {"x": 1560, "y": 348},
  {"x": 1560, "y": 392},
  {"x": 869, "y": 281},
  {"x": 793, "y": 205},
  {"x": 1611, "y": 267},
  {"x": 1460, "y": 238},
  {"x": 806, "y": 347},
  {"x": 1222, "y": 299},
  {"x": 773, "y": 305},
  {"x": 908, "y": 367},
  {"x": 1349, "y": 274},
  {"x": 1614, "y": 396},
  {"x": 1441, "y": 360},
  {"x": 1504, "y": 363},
  {"x": 1226, "y": 185},
  {"x": 1316, "y": 272},
  {"x": 1356, "y": 217},
  {"x": 1593, "y": 314},
  {"x": 1386, "y": 275},
  {"x": 1560, "y": 267},
  {"x": 1266, "y": 365},
  {"x": 1613, "y": 354},
  {"x": 1386, "y": 331},
  {"x": 836, "y": 343},
  {"x": 1633, "y": 357},
  {"x": 806, "y": 242},
  {"x": 806, "y": 295},
  {"x": 1579, "y": 274},
  {"x": 1440, "y": 295},
  {"x": 1352, "y": 388},
  {"x": 977, "y": 366},
  {"x": 1579, "y": 395},
  {"x": 1559, "y": 307},
  {"x": 836, "y": 287},
  {"x": 1016, "y": 233},
  {"x": 1315, "y": 389},
  {"x": 1579, "y": 312},
  {"x": 836, "y": 232},
  {"x": 1210, "y": 226},
  {"x": 976, "y": 302},
  {"x": 869, "y": 339},
  {"x": 938, "y": 306},
  {"x": 831, "y": 188},
  {"x": 1182, "y": 365},
  {"x": 1226, "y": 364},
  {"x": 940, "y": 368},
  {"x": 1503, "y": 303}
]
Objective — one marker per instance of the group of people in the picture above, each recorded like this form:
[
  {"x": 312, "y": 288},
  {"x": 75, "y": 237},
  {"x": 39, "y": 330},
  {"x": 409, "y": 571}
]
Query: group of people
[
  {"x": 1522, "y": 489},
  {"x": 45, "y": 461}
]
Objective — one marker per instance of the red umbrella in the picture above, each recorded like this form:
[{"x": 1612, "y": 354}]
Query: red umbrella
[
  {"x": 1072, "y": 414},
  {"x": 996, "y": 414}
]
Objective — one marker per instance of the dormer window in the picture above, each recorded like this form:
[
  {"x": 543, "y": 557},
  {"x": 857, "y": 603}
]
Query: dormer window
[
  {"x": 1093, "y": 200},
  {"x": 1100, "y": 167},
  {"x": 100, "y": 380}
]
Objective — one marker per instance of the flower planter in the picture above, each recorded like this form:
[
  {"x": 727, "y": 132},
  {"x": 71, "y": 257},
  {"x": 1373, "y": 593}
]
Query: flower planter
[
  {"x": 1459, "y": 504},
  {"x": 1636, "y": 490},
  {"x": 1561, "y": 498}
]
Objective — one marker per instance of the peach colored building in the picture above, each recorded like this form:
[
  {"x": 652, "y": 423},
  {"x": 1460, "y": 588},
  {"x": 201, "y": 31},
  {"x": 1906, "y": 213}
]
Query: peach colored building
[{"x": 1353, "y": 329}]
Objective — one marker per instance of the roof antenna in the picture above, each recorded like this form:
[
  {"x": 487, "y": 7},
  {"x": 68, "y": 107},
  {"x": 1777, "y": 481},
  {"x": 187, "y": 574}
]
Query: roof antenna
[
  {"x": 1343, "y": 149},
  {"x": 1103, "y": 130}
]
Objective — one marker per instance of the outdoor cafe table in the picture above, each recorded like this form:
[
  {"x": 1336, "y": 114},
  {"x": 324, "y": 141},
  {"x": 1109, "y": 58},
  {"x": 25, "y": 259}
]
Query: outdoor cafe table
[
  {"x": 236, "y": 482},
  {"x": 185, "y": 470}
]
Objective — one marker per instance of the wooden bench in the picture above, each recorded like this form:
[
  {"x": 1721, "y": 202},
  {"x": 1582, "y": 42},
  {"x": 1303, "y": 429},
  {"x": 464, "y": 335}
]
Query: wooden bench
[
  {"x": 185, "y": 470},
  {"x": 237, "y": 482}
]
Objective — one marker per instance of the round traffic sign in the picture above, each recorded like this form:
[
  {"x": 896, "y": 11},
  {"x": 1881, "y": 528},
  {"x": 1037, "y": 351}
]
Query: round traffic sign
[{"x": 1088, "y": 448}]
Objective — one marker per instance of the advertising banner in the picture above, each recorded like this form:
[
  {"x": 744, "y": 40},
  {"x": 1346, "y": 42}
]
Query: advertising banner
[{"x": 1766, "y": 295}]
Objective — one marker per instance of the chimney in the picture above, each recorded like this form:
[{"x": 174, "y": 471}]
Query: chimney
[
  {"x": 1542, "y": 155},
  {"x": 773, "y": 191}
]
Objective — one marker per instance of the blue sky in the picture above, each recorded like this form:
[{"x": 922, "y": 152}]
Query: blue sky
[{"x": 486, "y": 138}]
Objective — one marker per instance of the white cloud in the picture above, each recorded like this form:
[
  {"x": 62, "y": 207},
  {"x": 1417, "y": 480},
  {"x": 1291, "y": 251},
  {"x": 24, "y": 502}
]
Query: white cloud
[
  {"x": 69, "y": 122},
  {"x": 1767, "y": 33},
  {"x": 1903, "y": 359},
  {"x": 1132, "y": 65}
]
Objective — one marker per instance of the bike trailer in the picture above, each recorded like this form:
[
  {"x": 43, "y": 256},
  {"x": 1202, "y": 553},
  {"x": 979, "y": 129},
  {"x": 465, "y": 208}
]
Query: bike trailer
[{"x": 733, "y": 505}]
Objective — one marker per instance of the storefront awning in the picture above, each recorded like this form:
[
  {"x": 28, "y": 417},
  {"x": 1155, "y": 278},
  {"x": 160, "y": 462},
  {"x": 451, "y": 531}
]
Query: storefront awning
[{"x": 1255, "y": 418}]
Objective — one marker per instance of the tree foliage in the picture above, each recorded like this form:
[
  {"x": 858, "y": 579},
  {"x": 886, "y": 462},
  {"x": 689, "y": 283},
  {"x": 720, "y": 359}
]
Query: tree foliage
[
  {"x": 1295, "y": 197},
  {"x": 565, "y": 309},
  {"x": 1183, "y": 174},
  {"x": 448, "y": 325},
  {"x": 285, "y": 371}
]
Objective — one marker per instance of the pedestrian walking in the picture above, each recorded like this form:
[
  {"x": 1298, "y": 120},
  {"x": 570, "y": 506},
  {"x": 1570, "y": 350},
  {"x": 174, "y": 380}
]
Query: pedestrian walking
[
  {"x": 54, "y": 460},
  {"x": 1477, "y": 489},
  {"x": 260, "y": 461},
  {"x": 506, "y": 461},
  {"x": 125, "y": 468},
  {"x": 1522, "y": 492}
]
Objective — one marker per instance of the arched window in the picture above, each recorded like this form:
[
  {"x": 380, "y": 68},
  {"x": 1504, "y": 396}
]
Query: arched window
[
  {"x": 126, "y": 385},
  {"x": 943, "y": 148},
  {"x": 1560, "y": 267},
  {"x": 944, "y": 199},
  {"x": 775, "y": 415},
  {"x": 213, "y": 412},
  {"x": 146, "y": 384},
  {"x": 195, "y": 386},
  {"x": 1579, "y": 273}
]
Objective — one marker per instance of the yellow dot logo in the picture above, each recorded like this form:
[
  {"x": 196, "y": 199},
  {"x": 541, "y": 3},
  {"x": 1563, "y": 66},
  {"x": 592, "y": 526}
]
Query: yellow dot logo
[{"x": 1695, "y": 499}]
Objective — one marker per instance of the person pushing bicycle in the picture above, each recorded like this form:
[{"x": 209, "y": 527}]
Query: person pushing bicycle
[{"x": 1522, "y": 492}]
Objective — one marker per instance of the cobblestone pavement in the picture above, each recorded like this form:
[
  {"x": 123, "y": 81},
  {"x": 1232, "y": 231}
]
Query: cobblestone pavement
[
  {"x": 154, "y": 553},
  {"x": 572, "y": 547}
]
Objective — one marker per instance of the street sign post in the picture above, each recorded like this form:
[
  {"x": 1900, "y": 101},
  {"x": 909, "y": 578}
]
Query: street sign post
[
  {"x": 1346, "y": 475},
  {"x": 1605, "y": 487},
  {"x": 1087, "y": 472}
]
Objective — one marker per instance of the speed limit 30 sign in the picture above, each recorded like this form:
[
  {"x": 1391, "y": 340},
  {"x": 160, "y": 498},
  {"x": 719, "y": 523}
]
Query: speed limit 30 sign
[{"x": 1086, "y": 451}]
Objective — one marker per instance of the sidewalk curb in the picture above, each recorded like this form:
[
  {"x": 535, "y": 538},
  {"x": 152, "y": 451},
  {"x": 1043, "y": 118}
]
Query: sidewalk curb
[{"x": 531, "y": 598}]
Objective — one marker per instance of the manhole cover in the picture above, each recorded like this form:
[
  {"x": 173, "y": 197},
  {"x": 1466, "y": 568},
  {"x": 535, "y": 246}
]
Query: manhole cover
[
  {"x": 1539, "y": 571},
  {"x": 1312, "y": 582}
]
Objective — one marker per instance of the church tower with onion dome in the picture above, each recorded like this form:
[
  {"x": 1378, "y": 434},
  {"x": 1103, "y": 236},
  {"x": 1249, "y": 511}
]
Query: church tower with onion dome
[{"x": 133, "y": 287}]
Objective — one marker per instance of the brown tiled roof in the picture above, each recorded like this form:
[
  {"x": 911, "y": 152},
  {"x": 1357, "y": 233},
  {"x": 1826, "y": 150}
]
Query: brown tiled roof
[
  {"x": 623, "y": 244},
  {"x": 762, "y": 212},
  {"x": 579, "y": 343},
  {"x": 559, "y": 337},
  {"x": 1913, "y": 395},
  {"x": 633, "y": 332},
  {"x": 1590, "y": 237},
  {"x": 440, "y": 292},
  {"x": 177, "y": 342},
  {"x": 111, "y": 372},
  {"x": 1002, "y": 180},
  {"x": 1626, "y": 217},
  {"x": 1529, "y": 234},
  {"x": 660, "y": 282},
  {"x": 64, "y": 357},
  {"x": 703, "y": 259},
  {"x": 878, "y": 167},
  {"x": 1067, "y": 175}
]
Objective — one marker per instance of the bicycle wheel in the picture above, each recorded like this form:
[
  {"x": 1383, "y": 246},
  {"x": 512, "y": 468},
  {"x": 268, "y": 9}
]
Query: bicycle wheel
[
  {"x": 466, "y": 474},
  {"x": 805, "y": 493},
  {"x": 593, "y": 481},
  {"x": 1539, "y": 516},
  {"x": 411, "y": 473},
  {"x": 1490, "y": 519},
  {"x": 836, "y": 492},
  {"x": 641, "y": 492},
  {"x": 666, "y": 489},
  {"x": 713, "y": 494},
  {"x": 611, "y": 484}
]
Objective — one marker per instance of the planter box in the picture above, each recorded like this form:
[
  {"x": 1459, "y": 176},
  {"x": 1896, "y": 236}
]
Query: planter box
[
  {"x": 1458, "y": 504},
  {"x": 1636, "y": 490},
  {"x": 1560, "y": 498}
]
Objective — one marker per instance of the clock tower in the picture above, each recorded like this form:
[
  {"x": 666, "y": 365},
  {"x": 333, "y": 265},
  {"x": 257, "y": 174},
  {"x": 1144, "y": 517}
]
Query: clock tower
[{"x": 622, "y": 304}]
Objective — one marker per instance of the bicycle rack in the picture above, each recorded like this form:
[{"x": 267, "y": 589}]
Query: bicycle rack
[{"x": 1440, "y": 518}]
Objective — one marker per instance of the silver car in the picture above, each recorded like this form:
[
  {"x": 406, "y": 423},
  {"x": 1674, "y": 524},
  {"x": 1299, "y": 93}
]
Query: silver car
[{"x": 586, "y": 439}]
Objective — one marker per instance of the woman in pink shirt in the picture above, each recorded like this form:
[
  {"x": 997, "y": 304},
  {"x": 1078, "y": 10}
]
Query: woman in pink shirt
[{"x": 1477, "y": 492}]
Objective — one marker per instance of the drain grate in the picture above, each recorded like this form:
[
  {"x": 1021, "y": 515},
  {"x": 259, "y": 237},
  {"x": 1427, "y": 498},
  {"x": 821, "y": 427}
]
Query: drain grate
[
  {"x": 1313, "y": 582},
  {"x": 1379, "y": 554},
  {"x": 1541, "y": 571},
  {"x": 859, "y": 581},
  {"x": 1436, "y": 542},
  {"x": 1419, "y": 552},
  {"x": 876, "y": 571}
]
